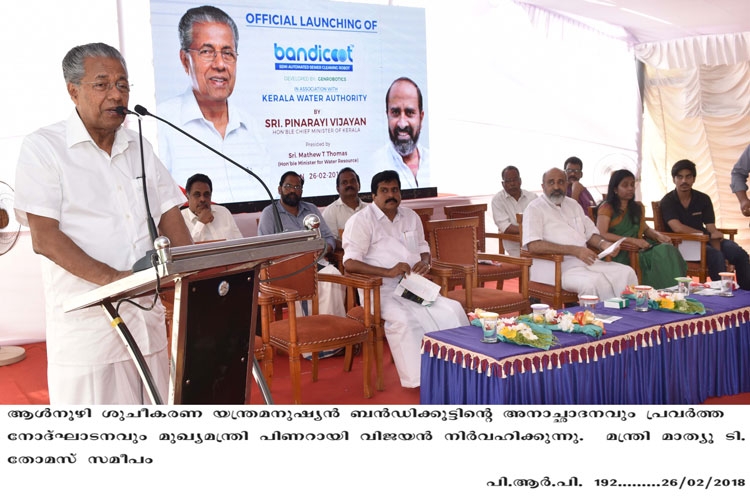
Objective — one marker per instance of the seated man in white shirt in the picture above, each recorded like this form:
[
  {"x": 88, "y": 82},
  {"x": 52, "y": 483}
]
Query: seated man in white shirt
[
  {"x": 507, "y": 203},
  {"x": 348, "y": 203},
  {"x": 555, "y": 223},
  {"x": 387, "y": 240},
  {"x": 207, "y": 221}
]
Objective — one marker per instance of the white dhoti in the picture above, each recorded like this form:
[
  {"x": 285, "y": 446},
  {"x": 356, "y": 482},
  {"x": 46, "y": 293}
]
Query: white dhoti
[
  {"x": 331, "y": 296},
  {"x": 406, "y": 322},
  {"x": 107, "y": 384},
  {"x": 603, "y": 279}
]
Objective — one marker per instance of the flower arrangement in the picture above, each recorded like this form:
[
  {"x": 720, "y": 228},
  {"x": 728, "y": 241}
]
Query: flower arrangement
[
  {"x": 584, "y": 322},
  {"x": 674, "y": 301},
  {"x": 669, "y": 301},
  {"x": 513, "y": 331}
]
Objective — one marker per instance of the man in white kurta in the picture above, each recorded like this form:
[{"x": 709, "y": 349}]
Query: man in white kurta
[
  {"x": 207, "y": 221},
  {"x": 78, "y": 188},
  {"x": 387, "y": 240},
  {"x": 222, "y": 227},
  {"x": 347, "y": 204},
  {"x": 555, "y": 223},
  {"x": 507, "y": 203}
]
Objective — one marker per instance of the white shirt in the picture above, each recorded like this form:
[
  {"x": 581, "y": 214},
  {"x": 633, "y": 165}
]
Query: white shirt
[
  {"x": 98, "y": 201},
  {"x": 565, "y": 225},
  {"x": 504, "y": 210},
  {"x": 242, "y": 142},
  {"x": 371, "y": 237},
  {"x": 388, "y": 158},
  {"x": 223, "y": 227},
  {"x": 337, "y": 213}
]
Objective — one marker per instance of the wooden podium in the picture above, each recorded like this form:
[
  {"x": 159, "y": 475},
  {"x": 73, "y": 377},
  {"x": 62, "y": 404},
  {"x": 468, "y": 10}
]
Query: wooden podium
[{"x": 215, "y": 309}]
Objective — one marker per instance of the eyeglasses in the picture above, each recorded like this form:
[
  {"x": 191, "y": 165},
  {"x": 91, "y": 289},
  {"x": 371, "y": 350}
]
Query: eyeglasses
[
  {"x": 101, "y": 86},
  {"x": 296, "y": 187},
  {"x": 577, "y": 170},
  {"x": 208, "y": 54}
]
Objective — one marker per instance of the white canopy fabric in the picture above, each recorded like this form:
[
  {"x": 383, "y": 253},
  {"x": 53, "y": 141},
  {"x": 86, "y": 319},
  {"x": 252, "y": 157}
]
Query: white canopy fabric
[
  {"x": 696, "y": 106},
  {"x": 707, "y": 50}
]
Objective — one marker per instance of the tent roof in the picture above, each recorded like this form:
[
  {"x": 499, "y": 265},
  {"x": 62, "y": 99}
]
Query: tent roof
[{"x": 657, "y": 20}]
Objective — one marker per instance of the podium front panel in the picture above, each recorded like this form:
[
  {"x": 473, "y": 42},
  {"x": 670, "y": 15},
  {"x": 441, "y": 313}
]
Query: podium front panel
[{"x": 211, "y": 337}]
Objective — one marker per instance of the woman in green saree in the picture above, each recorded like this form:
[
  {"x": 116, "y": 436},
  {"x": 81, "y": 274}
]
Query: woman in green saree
[{"x": 620, "y": 215}]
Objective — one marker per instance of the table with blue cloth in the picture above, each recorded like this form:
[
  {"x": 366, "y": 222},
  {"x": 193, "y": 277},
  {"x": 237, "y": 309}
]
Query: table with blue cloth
[{"x": 654, "y": 357}]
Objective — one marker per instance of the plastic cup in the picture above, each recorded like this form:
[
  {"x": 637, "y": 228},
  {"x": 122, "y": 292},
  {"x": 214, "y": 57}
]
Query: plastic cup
[
  {"x": 683, "y": 286},
  {"x": 727, "y": 284},
  {"x": 641, "y": 297},
  {"x": 538, "y": 311},
  {"x": 588, "y": 302},
  {"x": 489, "y": 326}
]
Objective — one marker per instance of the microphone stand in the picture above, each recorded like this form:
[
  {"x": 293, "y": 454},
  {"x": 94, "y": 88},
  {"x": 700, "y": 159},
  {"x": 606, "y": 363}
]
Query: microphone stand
[
  {"x": 278, "y": 227},
  {"x": 148, "y": 260},
  {"x": 276, "y": 217}
]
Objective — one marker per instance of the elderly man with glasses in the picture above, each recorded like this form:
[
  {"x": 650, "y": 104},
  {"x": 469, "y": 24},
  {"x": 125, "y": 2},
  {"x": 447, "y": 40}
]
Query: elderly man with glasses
[
  {"x": 208, "y": 54},
  {"x": 78, "y": 189},
  {"x": 576, "y": 190}
]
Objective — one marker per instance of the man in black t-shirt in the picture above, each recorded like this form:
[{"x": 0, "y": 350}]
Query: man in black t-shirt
[{"x": 686, "y": 210}]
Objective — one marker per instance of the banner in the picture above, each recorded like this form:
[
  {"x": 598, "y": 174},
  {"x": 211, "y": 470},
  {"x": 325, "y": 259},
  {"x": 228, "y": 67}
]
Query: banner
[{"x": 306, "y": 93}]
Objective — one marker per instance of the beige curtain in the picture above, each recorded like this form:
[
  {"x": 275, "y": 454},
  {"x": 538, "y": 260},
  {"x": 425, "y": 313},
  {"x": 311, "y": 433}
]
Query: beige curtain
[{"x": 697, "y": 106}]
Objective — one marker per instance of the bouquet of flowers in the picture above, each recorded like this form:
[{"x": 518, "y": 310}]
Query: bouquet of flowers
[
  {"x": 674, "y": 302},
  {"x": 581, "y": 322},
  {"x": 669, "y": 301},
  {"x": 514, "y": 331}
]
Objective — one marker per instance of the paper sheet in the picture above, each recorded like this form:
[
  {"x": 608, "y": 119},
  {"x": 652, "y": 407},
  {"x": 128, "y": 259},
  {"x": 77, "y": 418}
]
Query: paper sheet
[
  {"x": 420, "y": 286},
  {"x": 614, "y": 246}
]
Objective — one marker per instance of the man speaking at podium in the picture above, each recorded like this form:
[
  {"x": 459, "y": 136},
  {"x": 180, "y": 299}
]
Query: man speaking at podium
[{"x": 79, "y": 190}]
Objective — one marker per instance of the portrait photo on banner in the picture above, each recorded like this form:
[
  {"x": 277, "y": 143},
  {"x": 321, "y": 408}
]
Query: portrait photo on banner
[{"x": 310, "y": 86}]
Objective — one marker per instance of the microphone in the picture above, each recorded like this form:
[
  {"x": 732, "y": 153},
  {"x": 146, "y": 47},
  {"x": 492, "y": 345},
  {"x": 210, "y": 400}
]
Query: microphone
[
  {"x": 140, "y": 110},
  {"x": 122, "y": 110},
  {"x": 147, "y": 260},
  {"x": 311, "y": 221}
]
